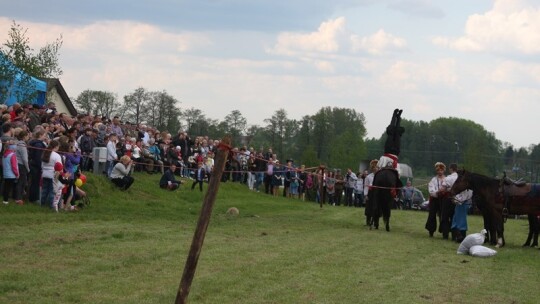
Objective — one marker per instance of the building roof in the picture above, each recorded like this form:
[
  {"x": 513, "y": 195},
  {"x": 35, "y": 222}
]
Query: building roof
[{"x": 55, "y": 83}]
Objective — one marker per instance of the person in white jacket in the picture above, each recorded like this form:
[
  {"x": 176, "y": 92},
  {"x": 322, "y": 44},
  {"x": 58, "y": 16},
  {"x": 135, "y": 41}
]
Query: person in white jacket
[
  {"x": 463, "y": 203},
  {"x": 111, "y": 153}
]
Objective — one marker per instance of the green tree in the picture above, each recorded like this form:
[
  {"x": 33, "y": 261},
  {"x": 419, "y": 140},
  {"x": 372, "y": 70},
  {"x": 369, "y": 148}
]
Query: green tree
[
  {"x": 16, "y": 53},
  {"x": 235, "y": 125},
  {"x": 162, "y": 111},
  {"x": 135, "y": 104},
  {"x": 101, "y": 103}
]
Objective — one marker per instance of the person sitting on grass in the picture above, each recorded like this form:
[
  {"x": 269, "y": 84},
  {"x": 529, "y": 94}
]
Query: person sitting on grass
[
  {"x": 168, "y": 181},
  {"x": 120, "y": 175}
]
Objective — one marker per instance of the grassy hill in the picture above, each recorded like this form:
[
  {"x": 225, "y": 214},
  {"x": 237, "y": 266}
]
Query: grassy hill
[{"x": 130, "y": 247}]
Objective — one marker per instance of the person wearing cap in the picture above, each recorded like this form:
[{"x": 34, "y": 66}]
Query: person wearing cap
[
  {"x": 438, "y": 201},
  {"x": 200, "y": 175},
  {"x": 368, "y": 183}
]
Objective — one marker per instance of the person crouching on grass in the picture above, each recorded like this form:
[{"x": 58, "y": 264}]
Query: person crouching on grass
[
  {"x": 120, "y": 175},
  {"x": 168, "y": 181}
]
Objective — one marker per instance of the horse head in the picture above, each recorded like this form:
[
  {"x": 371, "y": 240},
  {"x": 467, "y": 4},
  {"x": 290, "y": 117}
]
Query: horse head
[{"x": 462, "y": 183}]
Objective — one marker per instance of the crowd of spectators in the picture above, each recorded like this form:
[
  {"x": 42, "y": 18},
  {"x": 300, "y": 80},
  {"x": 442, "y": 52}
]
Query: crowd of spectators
[{"x": 39, "y": 138}]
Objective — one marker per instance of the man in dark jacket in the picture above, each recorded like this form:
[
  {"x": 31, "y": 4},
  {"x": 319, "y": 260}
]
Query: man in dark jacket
[{"x": 168, "y": 180}]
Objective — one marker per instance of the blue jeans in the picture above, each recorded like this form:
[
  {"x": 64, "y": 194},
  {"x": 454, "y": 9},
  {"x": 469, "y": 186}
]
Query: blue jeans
[
  {"x": 259, "y": 177},
  {"x": 110, "y": 166},
  {"x": 47, "y": 192}
]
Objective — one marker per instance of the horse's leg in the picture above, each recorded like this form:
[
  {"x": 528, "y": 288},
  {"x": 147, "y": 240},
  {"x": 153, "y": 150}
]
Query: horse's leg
[
  {"x": 487, "y": 226},
  {"x": 386, "y": 214},
  {"x": 499, "y": 226},
  {"x": 536, "y": 230},
  {"x": 530, "y": 218}
]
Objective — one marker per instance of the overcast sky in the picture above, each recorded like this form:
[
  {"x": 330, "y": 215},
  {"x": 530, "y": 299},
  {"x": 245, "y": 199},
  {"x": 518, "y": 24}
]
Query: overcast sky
[{"x": 473, "y": 59}]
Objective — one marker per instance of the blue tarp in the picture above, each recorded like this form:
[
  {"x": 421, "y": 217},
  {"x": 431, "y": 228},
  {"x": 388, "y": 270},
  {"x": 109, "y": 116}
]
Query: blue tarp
[{"x": 15, "y": 89}]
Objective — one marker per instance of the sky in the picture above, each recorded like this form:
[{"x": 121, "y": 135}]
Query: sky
[{"x": 472, "y": 59}]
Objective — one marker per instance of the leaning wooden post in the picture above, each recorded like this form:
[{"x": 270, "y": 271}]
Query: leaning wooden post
[{"x": 204, "y": 218}]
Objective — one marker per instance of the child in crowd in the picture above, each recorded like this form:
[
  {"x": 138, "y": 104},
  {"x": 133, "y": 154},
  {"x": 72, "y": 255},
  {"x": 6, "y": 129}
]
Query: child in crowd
[
  {"x": 200, "y": 175},
  {"x": 10, "y": 171}
]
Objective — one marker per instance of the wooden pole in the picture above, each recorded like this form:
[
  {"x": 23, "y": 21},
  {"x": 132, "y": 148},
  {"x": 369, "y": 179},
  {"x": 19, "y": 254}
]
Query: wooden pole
[{"x": 204, "y": 219}]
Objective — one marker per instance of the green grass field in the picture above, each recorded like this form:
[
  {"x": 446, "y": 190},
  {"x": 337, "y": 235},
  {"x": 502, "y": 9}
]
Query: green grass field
[{"x": 131, "y": 247}]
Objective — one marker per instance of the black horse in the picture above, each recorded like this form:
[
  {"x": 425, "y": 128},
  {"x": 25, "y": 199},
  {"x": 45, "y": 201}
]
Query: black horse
[
  {"x": 496, "y": 200},
  {"x": 386, "y": 184},
  {"x": 386, "y": 181}
]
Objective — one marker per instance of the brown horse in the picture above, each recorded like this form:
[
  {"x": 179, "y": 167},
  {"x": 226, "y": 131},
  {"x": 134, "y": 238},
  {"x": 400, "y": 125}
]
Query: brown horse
[{"x": 496, "y": 200}]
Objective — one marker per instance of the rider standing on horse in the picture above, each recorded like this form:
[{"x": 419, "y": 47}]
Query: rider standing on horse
[{"x": 392, "y": 146}]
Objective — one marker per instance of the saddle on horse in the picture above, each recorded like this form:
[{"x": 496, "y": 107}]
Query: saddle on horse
[{"x": 510, "y": 187}]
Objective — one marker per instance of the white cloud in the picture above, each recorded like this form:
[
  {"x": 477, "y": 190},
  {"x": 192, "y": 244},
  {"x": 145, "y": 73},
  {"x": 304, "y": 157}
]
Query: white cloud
[
  {"x": 110, "y": 36},
  {"x": 510, "y": 26},
  {"x": 379, "y": 43},
  {"x": 324, "y": 40},
  {"x": 331, "y": 37}
]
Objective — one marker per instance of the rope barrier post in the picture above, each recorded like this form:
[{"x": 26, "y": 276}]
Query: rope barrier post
[{"x": 204, "y": 219}]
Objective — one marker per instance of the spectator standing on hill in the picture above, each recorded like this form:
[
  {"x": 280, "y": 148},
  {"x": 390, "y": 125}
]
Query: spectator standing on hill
[
  {"x": 331, "y": 188},
  {"x": 200, "y": 175},
  {"x": 260, "y": 167},
  {"x": 112, "y": 157},
  {"x": 49, "y": 159},
  {"x": 359, "y": 191},
  {"x": 116, "y": 128},
  {"x": 294, "y": 183},
  {"x": 277, "y": 178},
  {"x": 251, "y": 172},
  {"x": 22, "y": 165},
  {"x": 268, "y": 173},
  {"x": 37, "y": 146},
  {"x": 10, "y": 171},
  {"x": 287, "y": 178},
  {"x": 350, "y": 181},
  {"x": 340, "y": 184},
  {"x": 302, "y": 177},
  {"x": 87, "y": 147}
]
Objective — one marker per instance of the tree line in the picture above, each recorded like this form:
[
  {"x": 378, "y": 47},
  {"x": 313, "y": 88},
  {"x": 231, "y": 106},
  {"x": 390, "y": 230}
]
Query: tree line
[{"x": 332, "y": 136}]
